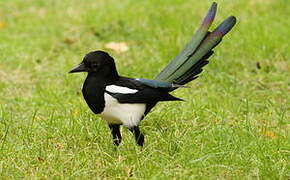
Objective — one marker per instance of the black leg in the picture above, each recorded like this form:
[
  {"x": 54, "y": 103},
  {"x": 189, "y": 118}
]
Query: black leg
[
  {"x": 115, "y": 130},
  {"x": 139, "y": 137}
]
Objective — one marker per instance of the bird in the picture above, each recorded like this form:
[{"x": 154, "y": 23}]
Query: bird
[{"x": 125, "y": 101}]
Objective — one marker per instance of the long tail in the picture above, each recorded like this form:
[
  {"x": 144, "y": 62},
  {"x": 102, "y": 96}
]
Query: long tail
[{"x": 188, "y": 64}]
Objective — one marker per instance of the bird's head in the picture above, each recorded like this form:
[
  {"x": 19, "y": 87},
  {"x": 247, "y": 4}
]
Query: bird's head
[{"x": 97, "y": 63}]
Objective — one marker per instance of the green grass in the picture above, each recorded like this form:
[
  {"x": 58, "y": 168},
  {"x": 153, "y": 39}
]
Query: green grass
[{"x": 234, "y": 124}]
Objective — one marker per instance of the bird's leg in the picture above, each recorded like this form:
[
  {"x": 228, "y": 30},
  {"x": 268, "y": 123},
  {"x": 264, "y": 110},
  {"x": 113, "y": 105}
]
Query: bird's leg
[
  {"x": 115, "y": 130},
  {"x": 139, "y": 137}
]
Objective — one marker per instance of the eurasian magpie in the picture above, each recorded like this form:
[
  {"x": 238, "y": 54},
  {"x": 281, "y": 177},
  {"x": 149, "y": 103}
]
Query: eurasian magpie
[{"x": 126, "y": 101}]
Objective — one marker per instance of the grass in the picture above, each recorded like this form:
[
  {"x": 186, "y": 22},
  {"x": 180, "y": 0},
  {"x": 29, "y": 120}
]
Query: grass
[{"x": 234, "y": 124}]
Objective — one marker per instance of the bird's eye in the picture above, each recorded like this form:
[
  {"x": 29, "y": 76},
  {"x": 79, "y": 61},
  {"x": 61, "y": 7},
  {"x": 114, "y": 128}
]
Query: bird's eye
[{"x": 94, "y": 66}]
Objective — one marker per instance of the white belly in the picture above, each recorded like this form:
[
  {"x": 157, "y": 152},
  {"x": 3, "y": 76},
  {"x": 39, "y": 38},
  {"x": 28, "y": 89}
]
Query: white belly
[{"x": 127, "y": 114}]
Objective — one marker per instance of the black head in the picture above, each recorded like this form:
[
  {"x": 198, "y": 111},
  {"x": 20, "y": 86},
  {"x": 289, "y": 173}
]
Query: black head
[{"x": 98, "y": 63}]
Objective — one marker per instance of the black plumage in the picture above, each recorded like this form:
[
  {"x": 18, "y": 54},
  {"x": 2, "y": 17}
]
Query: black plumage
[{"x": 126, "y": 101}]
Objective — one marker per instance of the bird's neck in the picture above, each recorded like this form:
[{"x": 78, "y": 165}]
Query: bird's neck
[
  {"x": 93, "y": 91},
  {"x": 101, "y": 78}
]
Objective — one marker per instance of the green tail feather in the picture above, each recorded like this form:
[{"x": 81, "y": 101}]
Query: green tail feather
[{"x": 190, "y": 61}]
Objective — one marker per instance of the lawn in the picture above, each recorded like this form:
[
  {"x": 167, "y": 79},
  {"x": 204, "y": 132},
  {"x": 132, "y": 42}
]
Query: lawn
[{"x": 234, "y": 123}]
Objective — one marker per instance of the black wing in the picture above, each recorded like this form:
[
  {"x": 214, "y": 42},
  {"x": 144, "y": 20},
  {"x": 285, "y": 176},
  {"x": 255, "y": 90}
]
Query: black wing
[{"x": 144, "y": 94}]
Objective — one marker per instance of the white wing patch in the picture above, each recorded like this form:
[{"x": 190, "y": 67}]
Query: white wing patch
[{"x": 120, "y": 89}]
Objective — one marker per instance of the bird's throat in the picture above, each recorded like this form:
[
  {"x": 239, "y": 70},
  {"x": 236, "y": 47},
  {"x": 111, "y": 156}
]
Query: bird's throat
[{"x": 93, "y": 92}]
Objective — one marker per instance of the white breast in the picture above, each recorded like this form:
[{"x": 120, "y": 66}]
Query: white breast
[{"x": 127, "y": 114}]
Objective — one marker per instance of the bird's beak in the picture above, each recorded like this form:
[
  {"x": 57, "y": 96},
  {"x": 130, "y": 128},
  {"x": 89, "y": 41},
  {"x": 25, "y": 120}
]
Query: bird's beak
[{"x": 79, "y": 68}]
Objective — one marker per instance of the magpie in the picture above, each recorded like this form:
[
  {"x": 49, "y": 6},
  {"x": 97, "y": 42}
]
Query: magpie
[{"x": 126, "y": 101}]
